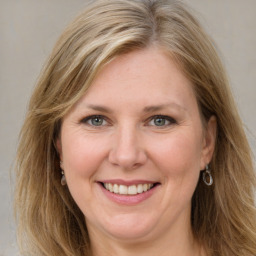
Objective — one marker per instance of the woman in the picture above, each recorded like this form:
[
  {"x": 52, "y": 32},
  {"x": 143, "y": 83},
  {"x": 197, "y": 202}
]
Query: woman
[{"x": 132, "y": 143}]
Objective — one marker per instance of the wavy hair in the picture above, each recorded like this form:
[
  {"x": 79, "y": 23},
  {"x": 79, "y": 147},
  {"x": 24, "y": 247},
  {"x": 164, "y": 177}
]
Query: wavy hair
[{"x": 223, "y": 216}]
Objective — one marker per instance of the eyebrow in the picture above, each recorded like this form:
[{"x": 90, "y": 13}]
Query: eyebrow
[
  {"x": 155, "y": 108},
  {"x": 147, "y": 109},
  {"x": 100, "y": 108}
]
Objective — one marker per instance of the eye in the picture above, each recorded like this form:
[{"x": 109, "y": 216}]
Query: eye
[
  {"x": 161, "y": 121},
  {"x": 96, "y": 120}
]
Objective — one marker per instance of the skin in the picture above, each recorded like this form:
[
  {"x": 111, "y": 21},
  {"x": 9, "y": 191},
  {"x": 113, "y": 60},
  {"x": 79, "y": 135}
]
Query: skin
[{"x": 129, "y": 144}]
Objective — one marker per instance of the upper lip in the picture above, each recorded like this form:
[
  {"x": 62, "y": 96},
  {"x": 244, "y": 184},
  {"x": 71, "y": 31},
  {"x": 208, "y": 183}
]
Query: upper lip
[{"x": 128, "y": 182}]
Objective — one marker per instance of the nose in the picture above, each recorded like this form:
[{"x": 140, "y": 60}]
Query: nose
[{"x": 127, "y": 150}]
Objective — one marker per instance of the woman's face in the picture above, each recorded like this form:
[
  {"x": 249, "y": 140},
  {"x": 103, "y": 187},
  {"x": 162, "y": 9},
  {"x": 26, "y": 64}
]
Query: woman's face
[{"x": 133, "y": 147}]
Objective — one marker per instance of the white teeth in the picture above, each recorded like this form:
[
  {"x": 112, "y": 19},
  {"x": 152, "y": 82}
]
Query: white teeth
[
  {"x": 123, "y": 190},
  {"x": 132, "y": 190},
  {"x": 140, "y": 188},
  {"x": 110, "y": 187},
  {"x": 116, "y": 189},
  {"x": 127, "y": 190}
]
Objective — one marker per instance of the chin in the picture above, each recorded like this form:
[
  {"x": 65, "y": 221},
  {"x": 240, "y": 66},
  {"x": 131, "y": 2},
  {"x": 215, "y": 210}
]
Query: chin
[{"x": 130, "y": 228}]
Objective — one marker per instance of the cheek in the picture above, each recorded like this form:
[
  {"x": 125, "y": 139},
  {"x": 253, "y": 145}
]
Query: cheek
[
  {"x": 179, "y": 162},
  {"x": 179, "y": 154},
  {"x": 81, "y": 155}
]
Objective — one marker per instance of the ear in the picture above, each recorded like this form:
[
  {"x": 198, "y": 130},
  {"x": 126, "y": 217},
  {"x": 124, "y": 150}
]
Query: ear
[
  {"x": 209, "y": 141},
  {"x": 59, "y": 148}
]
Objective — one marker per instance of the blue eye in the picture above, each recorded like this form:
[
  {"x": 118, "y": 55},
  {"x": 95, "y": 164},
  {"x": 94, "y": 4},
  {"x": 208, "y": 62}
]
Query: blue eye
[
  {"x": 161, "y": 121},
  {"x": 95, "y": 120}
]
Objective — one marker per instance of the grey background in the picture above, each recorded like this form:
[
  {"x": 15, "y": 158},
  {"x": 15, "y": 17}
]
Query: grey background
[{"x": 28, "y": 30}]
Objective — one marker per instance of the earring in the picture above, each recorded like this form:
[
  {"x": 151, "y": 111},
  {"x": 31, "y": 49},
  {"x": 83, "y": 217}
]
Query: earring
[
  {"x": 207, "y": 176},
  {"x": 63, "y": 181}
]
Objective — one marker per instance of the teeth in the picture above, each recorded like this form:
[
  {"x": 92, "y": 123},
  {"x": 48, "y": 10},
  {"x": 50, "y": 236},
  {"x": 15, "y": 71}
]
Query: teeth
[
  {"x": 132, "y": 190},
  {"x": 140, "y": 188},
  {"x": 128, "y": 190},
  {"x": 116, "y": 189},
  {"x": 123, "y": 190},
  {"x": 110, "y": 187}
]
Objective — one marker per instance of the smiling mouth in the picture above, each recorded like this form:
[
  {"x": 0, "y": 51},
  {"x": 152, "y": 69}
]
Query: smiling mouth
[{"x": 128, "y": 190}]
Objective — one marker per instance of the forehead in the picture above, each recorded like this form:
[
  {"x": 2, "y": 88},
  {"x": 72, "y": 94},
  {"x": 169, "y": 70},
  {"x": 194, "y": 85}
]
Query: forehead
[{"x": 140, "y": 78}]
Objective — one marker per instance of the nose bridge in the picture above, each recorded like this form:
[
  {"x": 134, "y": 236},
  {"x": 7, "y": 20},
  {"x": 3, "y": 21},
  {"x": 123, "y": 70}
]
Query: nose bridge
[{"x": 127, "y": 150}]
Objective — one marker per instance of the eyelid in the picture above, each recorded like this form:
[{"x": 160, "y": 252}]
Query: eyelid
[
  {"x": 170, "y": 119},
  {"x": 85, "y": 120}
]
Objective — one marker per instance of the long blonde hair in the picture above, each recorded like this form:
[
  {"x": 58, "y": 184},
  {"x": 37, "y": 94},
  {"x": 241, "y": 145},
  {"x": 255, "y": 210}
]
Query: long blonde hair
[{"x": 223, "y": 216}]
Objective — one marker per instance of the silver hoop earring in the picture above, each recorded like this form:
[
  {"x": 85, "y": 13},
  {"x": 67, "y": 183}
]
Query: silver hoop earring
[
  {"x": 63, "y": 179},
  {"x": 207, "y": 176}
]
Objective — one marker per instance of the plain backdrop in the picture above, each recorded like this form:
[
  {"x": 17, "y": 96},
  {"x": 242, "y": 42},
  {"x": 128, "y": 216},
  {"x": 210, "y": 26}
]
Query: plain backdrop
[{"x": 28, "y": 31}]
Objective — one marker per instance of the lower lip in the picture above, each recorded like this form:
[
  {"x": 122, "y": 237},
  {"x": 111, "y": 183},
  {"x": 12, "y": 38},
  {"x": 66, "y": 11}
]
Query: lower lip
[{"x": 128, "y": 199}]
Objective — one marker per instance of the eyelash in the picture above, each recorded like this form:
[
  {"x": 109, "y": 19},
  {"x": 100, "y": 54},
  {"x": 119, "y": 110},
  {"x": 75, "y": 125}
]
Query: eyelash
[
  {"x": 169, "y": 119},
  {"x": 163, "y": 117},
  {"x": 90, "y": 118}
]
